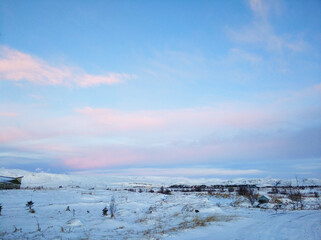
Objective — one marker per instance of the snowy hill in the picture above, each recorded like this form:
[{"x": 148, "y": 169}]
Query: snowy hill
[{"x": 32, "y": 179}]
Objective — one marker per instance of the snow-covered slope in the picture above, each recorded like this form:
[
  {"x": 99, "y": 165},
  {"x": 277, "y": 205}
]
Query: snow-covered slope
[{"x": 32, "y": 179}]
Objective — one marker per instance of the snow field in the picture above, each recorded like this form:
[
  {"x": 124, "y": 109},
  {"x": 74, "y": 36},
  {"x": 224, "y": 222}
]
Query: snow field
[
  {"x": 138, "y": 216},
  {"x": 218, "y": 215}
]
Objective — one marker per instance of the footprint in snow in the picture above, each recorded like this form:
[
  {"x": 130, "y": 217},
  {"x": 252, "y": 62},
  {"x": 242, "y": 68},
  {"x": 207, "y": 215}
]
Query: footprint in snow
[{"x": 74, "y": 223}]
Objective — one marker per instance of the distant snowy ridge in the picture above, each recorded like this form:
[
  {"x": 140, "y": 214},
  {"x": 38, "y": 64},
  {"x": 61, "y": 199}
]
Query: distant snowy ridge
[{"x": 32, "y": 179}]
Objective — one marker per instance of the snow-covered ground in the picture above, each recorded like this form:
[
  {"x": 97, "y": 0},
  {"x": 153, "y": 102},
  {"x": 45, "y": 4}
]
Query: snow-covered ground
[{"x": 141, "y": 214}]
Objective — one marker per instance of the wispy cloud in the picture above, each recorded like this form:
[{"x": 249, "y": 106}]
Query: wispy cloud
[
  {"x": 260, "y": 8},
  {"x": 240, "y": 55},
  {"x": 261, "y": 31},
  {"x": 19, "y": 66}
]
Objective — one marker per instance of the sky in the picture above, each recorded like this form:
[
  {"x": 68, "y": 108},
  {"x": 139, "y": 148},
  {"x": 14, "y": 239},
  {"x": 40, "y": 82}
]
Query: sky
[{"x": 222, "y": 89}]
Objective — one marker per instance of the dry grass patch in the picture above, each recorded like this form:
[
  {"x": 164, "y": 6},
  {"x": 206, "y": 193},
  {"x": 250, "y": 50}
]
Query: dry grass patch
[
  {"x": 201, "y": 222},
  {"x": 142, "y": 220},
  {"x": 276, "y": 200},
  {"x": 87, "y": 193},
  {"x": 185, "y": 222},
  {"x": 220, "y": 195}
]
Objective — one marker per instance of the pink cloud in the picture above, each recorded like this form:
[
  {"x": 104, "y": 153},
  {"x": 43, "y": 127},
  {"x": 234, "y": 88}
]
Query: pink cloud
[
  {"x": 12, "y": 134},
  {"x": 122, "y": 121},
  {"x": 96, "y": 158},
  {"x": 8, "y": 114},
  {"x": 101, "y": 137},
  {"x": 317, "y": 88},
  {"x": 204, "y": 117},
  {"x": 90, "y": 80},
  {"x": 18, "y": 66}
]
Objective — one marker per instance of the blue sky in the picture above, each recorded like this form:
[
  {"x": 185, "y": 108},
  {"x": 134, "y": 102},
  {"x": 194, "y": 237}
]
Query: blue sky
[{"x": 190, "y": 88}]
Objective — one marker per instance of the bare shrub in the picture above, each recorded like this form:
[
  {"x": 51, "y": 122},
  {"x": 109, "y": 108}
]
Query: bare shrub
[
  {"x": 29, "y": 204},
  {"x": 230, "y": 189},
  {"x": 276, "y": 200},
  {"x": 187, "y": 208},
  {"x": 17, "y": 229},
  {"x": 161, "y": 190},
  {"x": 167, "y": 191},
  {"x": 296, "y": 197},
  {"x": 151, "y": 209},
  {"x": 38, "y": 226},
  {"x": 277, "y": 207},
  {"x": 112, "y": 207},
  {"x": 249, "y": 193},
  {"x": 251, "y": 196},
  {"x": 275, "y": 189},
  {"x": 243, "y": 190},
  {"x": 220, "y": 195}
]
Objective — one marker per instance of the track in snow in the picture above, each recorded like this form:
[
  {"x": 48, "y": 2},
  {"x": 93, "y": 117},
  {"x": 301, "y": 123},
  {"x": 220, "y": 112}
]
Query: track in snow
[{"x": 296, "y": 225}]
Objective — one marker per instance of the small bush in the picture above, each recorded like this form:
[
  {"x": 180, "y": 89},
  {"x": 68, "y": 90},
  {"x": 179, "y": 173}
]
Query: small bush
[
  {"x": 297, "y": 198},
  {"x": 161, "y": 190},
  {"x": 249, "y": 193},
  {"x": 105, "y": 211},
  {"x": 29, "y": 204},
  {"x": 243, "y": 191},
  {"x": 17, "y": 229},
  {"x": 230, "y": 189},
  {"x": 167, "y": 191}
]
